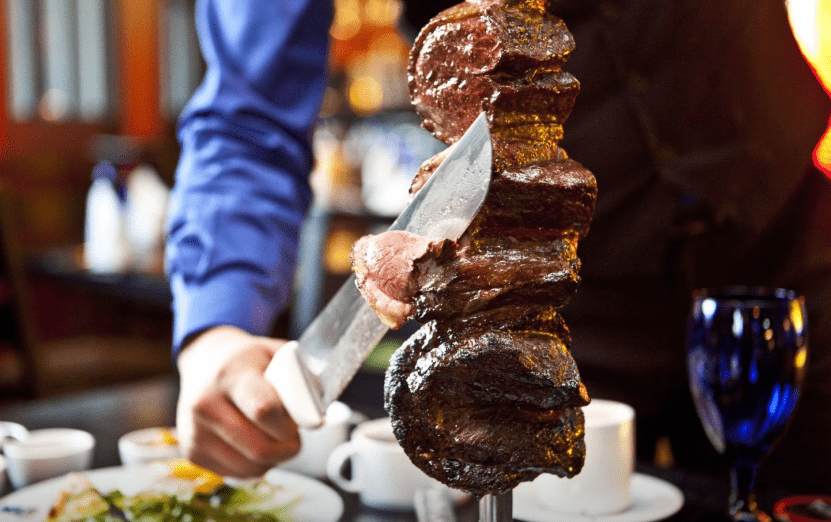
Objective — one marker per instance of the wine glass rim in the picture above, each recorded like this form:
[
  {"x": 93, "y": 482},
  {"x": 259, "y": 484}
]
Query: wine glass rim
[{"x": 746, "y": 293}]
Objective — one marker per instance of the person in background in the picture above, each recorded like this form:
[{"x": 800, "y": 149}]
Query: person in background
[{"x": 697, "y": 118}]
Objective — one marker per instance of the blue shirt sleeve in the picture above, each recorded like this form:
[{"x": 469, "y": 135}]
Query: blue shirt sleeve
[{"x": 241, "y": 188}]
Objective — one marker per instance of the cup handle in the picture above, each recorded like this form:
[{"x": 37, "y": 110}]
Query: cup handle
[
  {"x": 12, "y": 430},
  {"x": 336, "y": 463},
  {"x": 356, "y": 418}
]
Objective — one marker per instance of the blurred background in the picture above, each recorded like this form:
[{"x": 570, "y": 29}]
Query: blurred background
[{"x": 92, "y": 89}]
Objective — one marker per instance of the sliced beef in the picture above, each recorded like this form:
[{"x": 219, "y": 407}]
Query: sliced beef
[
  {"x": 384, "y": 267},
  {"x": 503, "y": 58},
  {"x": 501, "y": 271},
  {"x": 522, "y": 248}
]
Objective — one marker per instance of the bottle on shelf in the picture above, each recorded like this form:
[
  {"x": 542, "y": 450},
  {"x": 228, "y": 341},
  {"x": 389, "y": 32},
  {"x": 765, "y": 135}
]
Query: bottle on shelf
[
  {"x": 105, "y": 243},
  {"x": 145, "y": 213}
]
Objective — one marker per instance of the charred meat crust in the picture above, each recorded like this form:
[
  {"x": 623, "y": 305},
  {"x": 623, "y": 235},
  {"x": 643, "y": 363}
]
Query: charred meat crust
[
  {"x": 555, "y": 196},
  {"x": 500, "y": 272},
  {"x": 503, "y": 58},
  {"x": 522, "y": 247},
  {"x": 488, "y": 379}
]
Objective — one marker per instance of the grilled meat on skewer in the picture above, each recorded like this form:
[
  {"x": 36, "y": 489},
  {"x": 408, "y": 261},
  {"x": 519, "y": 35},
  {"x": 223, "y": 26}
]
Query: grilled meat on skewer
[{"x": 485, "y": 394}]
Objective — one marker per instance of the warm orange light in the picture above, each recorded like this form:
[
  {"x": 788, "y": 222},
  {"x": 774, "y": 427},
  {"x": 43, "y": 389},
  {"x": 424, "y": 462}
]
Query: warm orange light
[
  {"x": 347, "y": 21},
  {"x": 801, "y": 357},
  {"x": 811, "y": 24},
  {"x": 366, "y": 95},
  {"x": 382, "y": 12}
]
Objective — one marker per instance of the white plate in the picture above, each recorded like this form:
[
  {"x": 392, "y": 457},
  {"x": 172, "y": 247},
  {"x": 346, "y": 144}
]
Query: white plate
[
  {"x": 652, "y": 499},
  {"x": 318, "y": 502}
]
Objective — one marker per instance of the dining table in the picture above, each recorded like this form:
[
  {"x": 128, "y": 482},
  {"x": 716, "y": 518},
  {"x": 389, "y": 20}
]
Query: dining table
[{"x": 110, "y": 412}]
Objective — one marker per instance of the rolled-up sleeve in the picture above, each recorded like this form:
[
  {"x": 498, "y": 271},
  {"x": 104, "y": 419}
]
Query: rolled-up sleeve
[{"x": 241, "y": 188}]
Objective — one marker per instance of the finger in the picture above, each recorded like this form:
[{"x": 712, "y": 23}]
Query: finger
[
  {"x": 259, "y": 403},
  {"x": 197, "y": 425},
  {"x": 217, "y": 414},
  {"x": 213, "y": 453},
  {"x": 255, "y": 397}
]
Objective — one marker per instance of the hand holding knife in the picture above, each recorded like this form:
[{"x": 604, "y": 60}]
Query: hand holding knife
[{"x": 312, "y": 372}]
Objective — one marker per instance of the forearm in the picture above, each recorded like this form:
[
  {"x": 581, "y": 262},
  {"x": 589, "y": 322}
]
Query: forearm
[{"x": 241, "y": 190}]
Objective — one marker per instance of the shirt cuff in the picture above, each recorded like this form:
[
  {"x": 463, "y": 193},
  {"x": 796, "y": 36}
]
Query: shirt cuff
[{"x": 230, "y": 300}]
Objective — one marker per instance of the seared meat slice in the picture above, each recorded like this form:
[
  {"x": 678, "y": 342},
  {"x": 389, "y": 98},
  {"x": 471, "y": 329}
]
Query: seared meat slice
[
  {"x": 527, "y": 369},
  {"x": 503, "y": 58},
  {"x": 403, "y": 276},
  {"x": 494, "y": 449},
  {"x": 500, "y": 271},
  {"x": 549, "y": 197},
  {"x": 521, "y": 248},
  {"x": 384, "y": 267},
  {"x": 483, "y": 409}
]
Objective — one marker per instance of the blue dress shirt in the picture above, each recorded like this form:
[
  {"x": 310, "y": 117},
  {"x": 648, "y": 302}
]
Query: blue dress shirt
[{"x": 242, "y": 188}]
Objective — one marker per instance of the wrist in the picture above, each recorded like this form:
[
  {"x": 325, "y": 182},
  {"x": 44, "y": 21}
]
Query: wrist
[{"x": 213, "y": 344}]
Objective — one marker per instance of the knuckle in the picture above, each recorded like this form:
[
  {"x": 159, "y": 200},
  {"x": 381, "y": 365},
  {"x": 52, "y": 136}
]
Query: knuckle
[
  {"x": 197, "y": 457},
  {"x": 204, "y": 405},
  {"x": 265, "y": 454},
  {"x": 263, "y": 411},
  {"x": 259, "y": 470},
  {"x": 272, "y": 451},
  {"x": 292, "y": 448}
]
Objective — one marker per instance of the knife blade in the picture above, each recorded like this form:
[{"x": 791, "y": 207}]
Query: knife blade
[{"x": 311, "y": 372}]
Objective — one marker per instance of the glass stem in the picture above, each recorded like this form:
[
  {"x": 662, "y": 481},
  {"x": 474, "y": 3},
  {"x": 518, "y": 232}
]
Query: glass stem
[{"x": 743, "y": 505}]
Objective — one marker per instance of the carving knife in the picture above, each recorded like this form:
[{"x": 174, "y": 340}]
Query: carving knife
[{"x": 311, "y": 372}]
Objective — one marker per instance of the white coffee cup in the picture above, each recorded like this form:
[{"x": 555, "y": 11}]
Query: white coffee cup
[
  {"x": 2, "y": 474},
  {"x": 382, "y": 474},
  {"x": 603, "y": 485},
  {"x": 47, "y": 453},
  {"x": 148, "y": 445},
  {"x": 319, "y": 443},
  {"x": 13, "y": 430}
]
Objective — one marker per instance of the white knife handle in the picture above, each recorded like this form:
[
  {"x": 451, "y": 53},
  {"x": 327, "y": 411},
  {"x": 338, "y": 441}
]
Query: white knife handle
[{"x": 290, "y": 378}]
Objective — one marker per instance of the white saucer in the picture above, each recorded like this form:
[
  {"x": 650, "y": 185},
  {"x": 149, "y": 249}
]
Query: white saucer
[{"x": 652, "y": 499}]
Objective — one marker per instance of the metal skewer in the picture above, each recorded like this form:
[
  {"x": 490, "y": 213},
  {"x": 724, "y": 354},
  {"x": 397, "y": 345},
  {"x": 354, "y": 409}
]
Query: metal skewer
[
  {"x": 496, "y": 507},
  {"x": 433, "y": 504}
]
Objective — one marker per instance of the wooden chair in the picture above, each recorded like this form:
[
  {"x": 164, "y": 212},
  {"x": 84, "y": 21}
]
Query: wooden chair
[{"x": 76, "y": 358}]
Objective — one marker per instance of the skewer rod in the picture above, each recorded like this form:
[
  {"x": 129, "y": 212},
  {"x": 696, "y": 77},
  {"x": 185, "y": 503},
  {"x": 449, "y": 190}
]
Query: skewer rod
[{"x": 496, "y": 507}]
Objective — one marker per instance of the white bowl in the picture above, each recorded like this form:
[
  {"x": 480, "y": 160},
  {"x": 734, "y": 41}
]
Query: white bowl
[
  {"x": 148, "y": 445},
  {"x": 47, "y": 453}
]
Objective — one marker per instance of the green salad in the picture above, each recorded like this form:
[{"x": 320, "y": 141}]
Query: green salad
[
  {"x": 83, "y": 503},
  {"x": 226, "y": 504}
]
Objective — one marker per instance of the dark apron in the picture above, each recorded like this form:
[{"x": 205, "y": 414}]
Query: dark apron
[{"x": 698, "y": 118}]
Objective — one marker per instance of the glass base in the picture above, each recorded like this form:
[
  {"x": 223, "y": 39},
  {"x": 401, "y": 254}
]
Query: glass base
[
  {"x": 742, "y": 502},
  {"x": 750, "y": 516}
]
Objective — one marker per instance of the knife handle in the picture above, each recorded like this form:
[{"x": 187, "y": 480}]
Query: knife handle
[{"x": 296, "y": 387}]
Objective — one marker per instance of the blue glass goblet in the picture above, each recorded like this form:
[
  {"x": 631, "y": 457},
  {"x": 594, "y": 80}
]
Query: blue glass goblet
[{"x": 746, "y": 355}]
